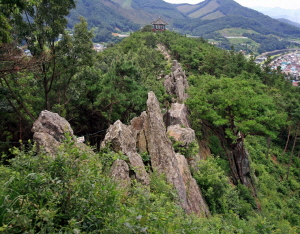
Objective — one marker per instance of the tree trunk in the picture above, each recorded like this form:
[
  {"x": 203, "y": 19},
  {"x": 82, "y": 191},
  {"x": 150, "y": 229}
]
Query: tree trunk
[
  {"x": 287, "y": 141},
  {"x": 291, "y": 155},
  {"x": 269, "y": 146},
  {"x": 240, "y": 165}
]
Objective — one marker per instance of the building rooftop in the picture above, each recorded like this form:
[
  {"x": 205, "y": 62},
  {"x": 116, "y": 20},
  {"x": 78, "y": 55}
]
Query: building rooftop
[{"x": 159, "y": 21}]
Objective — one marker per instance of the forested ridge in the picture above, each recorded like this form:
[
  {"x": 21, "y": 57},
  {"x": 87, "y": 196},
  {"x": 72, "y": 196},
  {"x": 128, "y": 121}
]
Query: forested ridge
[
  {"x": 206, "y": 19},
  {"x": 240, "y": 111}
]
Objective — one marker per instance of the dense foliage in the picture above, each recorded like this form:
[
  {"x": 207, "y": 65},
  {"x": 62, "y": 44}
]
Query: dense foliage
[
  {"x": 269, "y": 43},
  {"x": 232, "y": 101}
]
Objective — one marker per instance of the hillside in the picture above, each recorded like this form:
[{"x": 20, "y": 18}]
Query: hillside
[
  {"x": 277, "y": 12},
  {"x": 289, "y": 22},
  {"x": 160, "y": 133},
  {"x": 95, "y": 12},
  {"x": 232, "y": 164},
  {"x": 214, "y": 15},
  {"x": 206, "y": 19}
]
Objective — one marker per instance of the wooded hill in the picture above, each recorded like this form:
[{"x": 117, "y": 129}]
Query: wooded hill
[
  {"x": 205, "y": 19},
  {"x": 244, "y": 157}
]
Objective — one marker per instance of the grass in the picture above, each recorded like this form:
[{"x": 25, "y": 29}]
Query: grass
[
  {"x": 245, "y": 43},
  {"x": 235, "y": 32}
]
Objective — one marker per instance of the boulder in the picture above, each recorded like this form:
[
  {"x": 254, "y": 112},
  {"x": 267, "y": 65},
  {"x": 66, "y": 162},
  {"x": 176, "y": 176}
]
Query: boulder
[
  {"x": 120, "y": 173},
  {"x": 46, "y": 143},
  {"x": 53, "y": 124},
  {"x": 184, "y": 135},
  {"x": 120, "y": 138},
  {"x": 50, "y": 130}
]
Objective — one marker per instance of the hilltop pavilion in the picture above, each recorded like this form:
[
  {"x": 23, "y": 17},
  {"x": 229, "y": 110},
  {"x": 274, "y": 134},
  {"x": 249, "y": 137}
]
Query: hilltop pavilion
[{"x": 159, "y": 25}]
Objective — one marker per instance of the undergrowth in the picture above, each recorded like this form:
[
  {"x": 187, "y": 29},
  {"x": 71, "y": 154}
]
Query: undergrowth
[{"x": 72, "y": 193}]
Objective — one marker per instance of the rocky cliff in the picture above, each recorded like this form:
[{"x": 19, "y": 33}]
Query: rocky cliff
[{"x": 148, "y": 133}]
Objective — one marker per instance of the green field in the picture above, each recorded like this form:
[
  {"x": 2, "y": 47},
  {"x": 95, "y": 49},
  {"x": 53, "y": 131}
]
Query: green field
[
  {"x": 234, "y": 32},
  {"x": 246, "y": 42}
]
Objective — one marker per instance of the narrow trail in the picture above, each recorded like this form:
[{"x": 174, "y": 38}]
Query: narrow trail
[{"x": 164, "y": 52}]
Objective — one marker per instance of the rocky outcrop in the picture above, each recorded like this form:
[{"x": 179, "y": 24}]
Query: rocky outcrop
[
  {"x": 176, "y": 83},
  {"x": 50, "y": 130},
  {"x": 185, "y": 135},
  {"x": 177, "y": 114},
  {"x": 120, "y": 173},
  {"x": 120, "y": 138},
  {"x": 164, "y": 160},
  {"x": 161, "y": 151},
  {"x": 137, "y": 128},
  {"x": 46, "y": 143},
  {"x": 194, "y": 195}
]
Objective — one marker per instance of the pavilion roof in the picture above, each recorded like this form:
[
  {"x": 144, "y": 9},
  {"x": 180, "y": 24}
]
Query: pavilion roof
[{"x": 159, "y": 21}]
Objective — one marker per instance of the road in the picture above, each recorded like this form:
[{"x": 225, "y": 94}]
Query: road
[{"x": 276, "y": 52}]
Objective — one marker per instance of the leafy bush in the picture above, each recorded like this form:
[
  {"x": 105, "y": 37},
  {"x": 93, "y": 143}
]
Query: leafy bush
[
  {"x": 222, "y": 196},
  {"x": 189, "y": 151}
]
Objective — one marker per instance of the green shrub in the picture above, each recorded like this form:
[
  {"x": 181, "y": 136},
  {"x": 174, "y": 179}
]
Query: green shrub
[{"x": 189, "y": 151}]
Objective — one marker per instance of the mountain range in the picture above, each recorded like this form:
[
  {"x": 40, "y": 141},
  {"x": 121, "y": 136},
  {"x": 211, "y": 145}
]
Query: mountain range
[
  {"x": 293, "y": 15},
  {"x": 202, "y": 19}
]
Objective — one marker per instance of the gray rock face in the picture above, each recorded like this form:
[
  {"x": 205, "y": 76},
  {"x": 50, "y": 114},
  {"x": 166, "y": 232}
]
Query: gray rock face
[
  {"x": 49, "y": 131},
  {"x": 53, "y": 124},
  {"x": 194, "y": 195},
  {"x": 137, "y": 128},
  {"x": 46, "y": 142},
  {"x": 163, "y": 159},
  {"x": 120, "y": 138},
  {"x": 184, "y": 135},
  {"x": 161, "y": 151},
  {"x": 177, "y": 114},
  {"x": 120, "y": 173},
  {"x": 176, "y": 83}
]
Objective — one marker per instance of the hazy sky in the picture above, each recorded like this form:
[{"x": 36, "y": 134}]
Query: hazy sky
[{"x": 288, "y": 4}]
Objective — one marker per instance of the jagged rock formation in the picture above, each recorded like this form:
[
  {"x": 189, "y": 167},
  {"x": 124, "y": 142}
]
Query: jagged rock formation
[
  {"x": 163, "y": 159},
  {"x": 177, "y": 114},
  {"x": 120, "y": 138},
  {"x": 137, "y": 128},
  {"x": 50, "y": 130},
  {"x": 147, "y": 133},
  {"x": 176, "y": 83},
  {"x": 194, "y": 195}
]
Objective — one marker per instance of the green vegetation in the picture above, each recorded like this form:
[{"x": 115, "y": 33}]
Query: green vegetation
[
  {"x": 103, "y": 19},
  {"x": 269, "y": 43},
  {"x": 236, "y": 106},
  {"x": 235, "y": 32}
]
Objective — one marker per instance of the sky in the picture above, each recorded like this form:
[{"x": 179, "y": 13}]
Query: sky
[{"x": 287, "y": 4}]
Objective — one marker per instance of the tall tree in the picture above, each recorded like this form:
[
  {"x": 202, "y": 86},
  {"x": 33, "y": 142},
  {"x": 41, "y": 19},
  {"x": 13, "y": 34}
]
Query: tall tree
[
  {"x": 39, "y": 25},
  {"x": 234, "y": 108}
]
